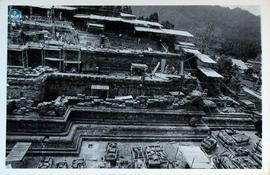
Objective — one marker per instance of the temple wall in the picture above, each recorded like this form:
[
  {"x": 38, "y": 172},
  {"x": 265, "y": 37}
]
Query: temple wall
[
  {"x": 14, "y": 58},
  {"x": 119, "y": 62},
  {"x": 106, "y": 61},
  {"x": 45, "y": 124},
  {"x": 32, "y": 89},
  {"x": 59, "y": 84},
  {"x": 50, "y": 86}
]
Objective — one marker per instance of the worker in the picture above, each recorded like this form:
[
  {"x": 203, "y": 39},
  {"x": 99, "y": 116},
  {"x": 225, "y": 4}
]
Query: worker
[
  {"x": 49, "y": 15},
  {"x": 166, "y": 69},
  {"x": 52, "y": 14},
  {"x": 102, "y": 41},
  {"x": 143, "y": 77},
  {"x": 46, "y": 36},
  {"x": 77, "y": 37},
  {"x": 173, "y": 70},
  {"x": 57, "y": 36},
  {"x": 139, "y": 40},
  {"x": 60, "y": 16},
  {"x": 193, "y": 121},
  {"x": 22, "y": 37}
]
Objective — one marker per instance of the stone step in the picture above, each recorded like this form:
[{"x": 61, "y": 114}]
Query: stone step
[{"x": 74, "y": 151}]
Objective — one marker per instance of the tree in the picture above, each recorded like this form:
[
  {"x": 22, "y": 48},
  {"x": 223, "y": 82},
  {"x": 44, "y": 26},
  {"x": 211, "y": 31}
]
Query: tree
[
  {"x": 229, "y": 72},
  {"x": 241, "y": 47},
  {"x": 167, "y": 24},
  {"x": 225, "y": 68},
  {"x": 127, "y": 9},
  {"x": 153, "y": 17},
  {"x": 206, "y": 36},
  {"x": 118, "y": 8},
  {"x": 123, "y": 9}
]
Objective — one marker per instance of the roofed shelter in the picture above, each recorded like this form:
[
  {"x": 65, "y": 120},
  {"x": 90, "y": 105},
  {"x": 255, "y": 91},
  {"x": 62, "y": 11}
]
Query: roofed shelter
[
  {"x": 163, "y": 31},
  {"x": 101, "y": 91},
  {"x": 209, "y": 79},
  {"x": 240, "y": 64},
  {"x": 17, "y": 55},
  {"x": 52, "y": 56},
  {"x": 118, "y": 19},
  {"x": 208, "y": 72},
  {"x": 18, "y": 152},
  {"x": 205, "y": 59},
  {"x": 66, "y": 11},
  {"x": 180, "y": 45},
  {"x": 130, "y": 23},
  {"x": 72, "y": 58},
  {"x": 95, "y": 27},
  {"x": 193, "y": 57},
  {"x": 201, "y": 57},
  {"x": 195, "y": 157},
  {"x": 138, "y": 69}
]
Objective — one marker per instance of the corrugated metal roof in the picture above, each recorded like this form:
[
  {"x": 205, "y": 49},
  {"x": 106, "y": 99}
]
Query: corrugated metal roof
[
  {"x": 139, "y": 66},
  {"x": 16, "y": 47},
  {"x": 178, "y": 32},
  {"x": 72, "y": 62},
  {"x": 185, "y": 43},
  {"x": 128, "y": 97},
  {"x": 147, "y": 23},
  {"x": 97, "y": 17},
  {"x": 95, "y": 25},
  {"x": 53, "y": 59},
  {"x": 71, "y": 47},
  {"x": 55, "y": 7},
  {"x": 254, "y": 62},
  {"x": 163, "y": 31},
  {"x": 55, "y": 48},
  {"x": 205, "y": 58},
  {"x": 251, "y": 92},
  {"x": 195, "y": 157},
  {"x": 18, "y": 151},
  {"x": 193, "y": 51},
  {"x": 239, "y": 63},
  {"x": 176, "y": 93},
  {"x": 209, "y": 72},
  {"x": 100, "y": 87},
  {"x": 127, "y": 15},
  {"x": 228, "y": 98},
  {"x": 31, "y": 33},
  {"x": 247, "y": 102},
  {"x": 119, "y": 19}
]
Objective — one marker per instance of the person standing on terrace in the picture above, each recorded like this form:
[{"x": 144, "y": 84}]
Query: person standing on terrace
[{"x": 60, "y": 16}]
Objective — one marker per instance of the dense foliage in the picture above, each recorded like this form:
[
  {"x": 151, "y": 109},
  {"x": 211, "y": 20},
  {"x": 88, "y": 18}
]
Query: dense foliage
[{"x": 232, "y": 32}]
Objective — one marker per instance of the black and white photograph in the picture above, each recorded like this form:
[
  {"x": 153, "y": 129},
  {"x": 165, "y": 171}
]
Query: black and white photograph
[{"x": 133, "y": 87}]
